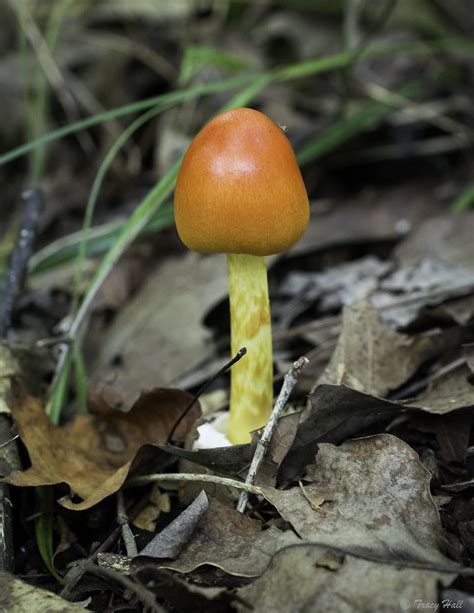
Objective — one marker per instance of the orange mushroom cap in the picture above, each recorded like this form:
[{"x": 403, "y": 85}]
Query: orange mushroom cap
[{"x": 239, "y": 188}]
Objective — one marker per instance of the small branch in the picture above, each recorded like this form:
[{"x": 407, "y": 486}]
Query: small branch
[
  {"x": 137, "y": 481},
  {"x": 75, "y": 574},
  {"x": 123, "y": 522},
  {"x": 240, "y": 354},
  {"x": 32, "y": 208},
  {"x": 143, "y": 594},
  {"x": 288, "y": 384}
]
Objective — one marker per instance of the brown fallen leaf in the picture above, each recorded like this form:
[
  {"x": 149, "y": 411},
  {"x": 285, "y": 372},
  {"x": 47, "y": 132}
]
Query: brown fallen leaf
[
  {"x": 94, "y": 454},
  {"x": 158, "y": 503},
  {"x": 371, "y": 357},
  {"x": 377, "y": 496}
]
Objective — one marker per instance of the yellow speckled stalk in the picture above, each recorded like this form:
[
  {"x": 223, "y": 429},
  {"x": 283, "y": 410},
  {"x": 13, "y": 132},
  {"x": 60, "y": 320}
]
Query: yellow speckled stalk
[{"x": 251, "y": 392}]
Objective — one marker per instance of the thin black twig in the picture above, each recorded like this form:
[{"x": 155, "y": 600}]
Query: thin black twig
[
  {"x": 32, "y": 208},
  {"x": 240, "y": 354},
  {"x": 75, "y": 574},
  {"x": 141, "y": 592}
]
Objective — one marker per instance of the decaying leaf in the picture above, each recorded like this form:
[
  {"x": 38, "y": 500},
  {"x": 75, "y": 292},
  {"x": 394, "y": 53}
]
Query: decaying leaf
[
  {"x": 403, "y": 294},
  {"x": 20, "y": 597},
  {"x": 446, "y": 393},
  {"x": 93, "y": 454},
  {"x": 446, "y": 237},
  {"x": 340, "y": 285},
  {"x": 338, "y": 412},
  {"x": 172, "y": 539},
  {"x": 372, "y": 357},
  {"x": 26, "y": 364},
  {"x": 230, "y": 460},
  {"x": 298, "y": 579},
  {"x": 377, "y": 497},
  {"x": 151, "y": 323},
  {"x": 232, "y": 542},
  {"x": 158, "y": 502}
]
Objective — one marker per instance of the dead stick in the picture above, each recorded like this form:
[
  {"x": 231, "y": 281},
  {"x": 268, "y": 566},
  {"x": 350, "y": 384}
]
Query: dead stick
[
  {"x": 200, "y": 477},
  {"x": 76, "y": 572},
  {"x": 32, "y": 208},
  {"x": 123, "y": 522},
  {"x": 288, "y": 384}
]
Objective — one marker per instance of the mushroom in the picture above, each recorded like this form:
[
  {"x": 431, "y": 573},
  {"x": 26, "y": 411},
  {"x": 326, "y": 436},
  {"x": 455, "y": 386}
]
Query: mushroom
[{"x": 239, "y": 191}]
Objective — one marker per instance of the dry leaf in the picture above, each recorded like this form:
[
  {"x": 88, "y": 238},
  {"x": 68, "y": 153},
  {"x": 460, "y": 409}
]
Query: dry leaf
[
  {"x": 377, "y": 496},
  {"x": 93, "y": 454},
  {"x": 300, "y": 579},
  {"x": 171, "y": 540},
  {"x": 159, "y": 502},
  {"x": 151, "y": 323},
  {"x": 17, "y": 596},
  {"x": 232, "y": 542},
  {"x": 371, "y": 357}
]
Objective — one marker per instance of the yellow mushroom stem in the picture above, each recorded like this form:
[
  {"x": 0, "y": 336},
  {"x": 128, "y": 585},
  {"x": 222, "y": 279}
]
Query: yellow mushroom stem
[{"x": 251, "y": 393}]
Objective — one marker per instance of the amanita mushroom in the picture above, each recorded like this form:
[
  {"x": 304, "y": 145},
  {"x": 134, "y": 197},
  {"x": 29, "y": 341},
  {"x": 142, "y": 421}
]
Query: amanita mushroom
[{"x": 239, "y": 191}]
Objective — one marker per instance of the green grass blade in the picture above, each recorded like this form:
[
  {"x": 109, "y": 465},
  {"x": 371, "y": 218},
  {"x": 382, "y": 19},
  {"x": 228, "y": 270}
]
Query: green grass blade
[
  {"x": 44, "y": 528},
  {"x": 59, "y": 395},
  {"x": 296, "y": 71},
  {"x": 80, "y": 376},
  {"x": 464, "y": 200},
  {"x": 97, "y": 240},
  {"x": 164, "y": 101},
  {"x": 96, "y": 186},
  {"x": 368, "y": 116}
]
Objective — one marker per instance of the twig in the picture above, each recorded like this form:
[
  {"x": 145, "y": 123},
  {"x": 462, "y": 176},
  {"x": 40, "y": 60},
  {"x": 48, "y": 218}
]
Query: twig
[
  {"x": 240, "y": 354},
  {"x": 145, "y": 479},
  {"x": 288, "y": 384},
  {"x": 32, "y": 208},
  {"x": 75, "y": 574},
  {"x": 123, "y": 522},
  {"x": 140, "y": 591}
]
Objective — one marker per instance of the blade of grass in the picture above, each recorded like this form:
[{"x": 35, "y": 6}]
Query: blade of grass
[
  {"x": 296, "y": 71},
  {"x": 44, "y": 529},
  {"x": 130, "y": 229},
  {"x": 94, "y": 194},
  {"x": 80, "y": 376},
  {"x": 369, "y": 115},
  {"x": 97, "y": 240},
  {"x": 464, "y": 200}
]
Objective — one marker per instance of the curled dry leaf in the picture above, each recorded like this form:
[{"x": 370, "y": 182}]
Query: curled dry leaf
[
  {"x": 94, "y": 454},
  {"x": 171, "y": 540},
  {"x": 230, "y": 541}
]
